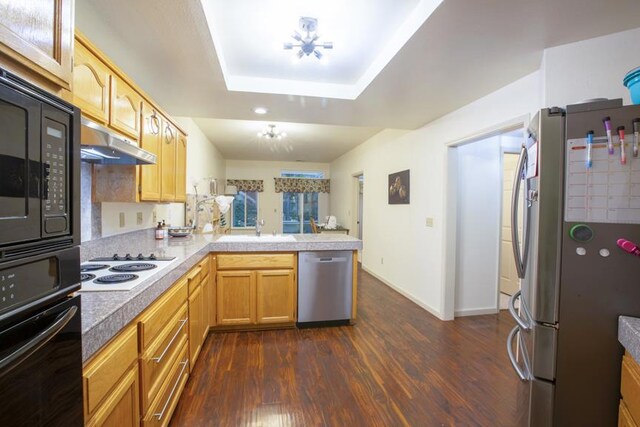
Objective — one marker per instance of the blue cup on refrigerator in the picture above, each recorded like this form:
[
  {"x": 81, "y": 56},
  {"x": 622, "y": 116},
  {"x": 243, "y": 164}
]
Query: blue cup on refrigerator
[{"x": 632, "y": 82}]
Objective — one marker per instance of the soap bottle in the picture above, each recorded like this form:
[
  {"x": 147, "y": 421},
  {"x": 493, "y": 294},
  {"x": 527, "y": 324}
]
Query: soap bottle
[{"x": 159, "y": 232}]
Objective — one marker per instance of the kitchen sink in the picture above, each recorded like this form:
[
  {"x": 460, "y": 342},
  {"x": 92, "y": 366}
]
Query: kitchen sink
[{"x": 264, "y": 238}]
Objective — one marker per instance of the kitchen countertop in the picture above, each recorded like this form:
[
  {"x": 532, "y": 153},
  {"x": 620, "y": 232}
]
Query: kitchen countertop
[
  {"x": 104, "y": 314},
  {"x": 629, "y": 335}
]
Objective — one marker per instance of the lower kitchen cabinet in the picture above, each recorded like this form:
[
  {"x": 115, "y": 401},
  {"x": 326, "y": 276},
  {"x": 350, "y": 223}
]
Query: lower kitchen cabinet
[
  {"x": 196, "y": 324},
  {"x": 255, "y": 289},
  {"x": 629, "y": 415},
  {"x": 110, "y": 382}
]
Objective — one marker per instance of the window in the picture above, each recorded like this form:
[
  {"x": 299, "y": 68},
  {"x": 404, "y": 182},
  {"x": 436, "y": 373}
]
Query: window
[
  {"x": 299, "y": 208},
  {"x": 245, "y": 209}
]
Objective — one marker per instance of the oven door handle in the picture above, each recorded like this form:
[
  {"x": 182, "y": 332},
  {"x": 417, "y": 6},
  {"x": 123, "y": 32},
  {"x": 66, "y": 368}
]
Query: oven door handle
[{"x": 34, "y": 344}]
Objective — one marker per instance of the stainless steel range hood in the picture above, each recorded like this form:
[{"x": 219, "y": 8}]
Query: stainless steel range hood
[{"x": 102, "y": 145}]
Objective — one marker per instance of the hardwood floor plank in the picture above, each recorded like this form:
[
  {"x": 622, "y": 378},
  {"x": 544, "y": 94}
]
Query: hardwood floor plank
[{"x": 398, "y": 366}]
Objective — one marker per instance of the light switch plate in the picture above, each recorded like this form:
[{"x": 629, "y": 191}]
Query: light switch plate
[
  {"x": 121, "y": 219},
  {"x": 429, "y": 222},
  {"x": 139, "y": 218}
]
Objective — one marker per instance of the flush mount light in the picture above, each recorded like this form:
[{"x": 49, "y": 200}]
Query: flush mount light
[
  {"x": 309, "y": 44},
  {"x": 271, "y": 132},
  {"x": 260, "y": 110}
]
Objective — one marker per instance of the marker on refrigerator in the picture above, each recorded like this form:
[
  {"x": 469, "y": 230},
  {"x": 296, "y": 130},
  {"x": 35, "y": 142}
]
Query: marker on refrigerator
[
  {"x": 589, "y": 149},
  {"x": 628, "y": 246},
  {"x": 623, "y": 154},
  {"x": 607, "y": 127},
  {"x": 636, "y": 136}
]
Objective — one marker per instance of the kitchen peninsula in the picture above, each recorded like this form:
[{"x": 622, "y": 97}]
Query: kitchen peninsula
[{"x": 104, "y": 314}]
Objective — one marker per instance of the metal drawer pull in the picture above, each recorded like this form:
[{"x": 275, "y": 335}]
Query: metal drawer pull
[
  {"x": 514, "y": 313},
  {"x": 160, "y": 414},
  {"x": 515, "y": 332},
  {"x": 159, "y": 358}
]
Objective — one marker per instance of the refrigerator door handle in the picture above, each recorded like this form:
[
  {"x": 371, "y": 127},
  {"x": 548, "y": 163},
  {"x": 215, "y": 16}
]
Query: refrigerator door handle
[
  {"x": 35, "y": 343},
  {"x": 515, "y": 198},
  {"x": 514, "y": 312},
  {"x": 523, "y": 373}
]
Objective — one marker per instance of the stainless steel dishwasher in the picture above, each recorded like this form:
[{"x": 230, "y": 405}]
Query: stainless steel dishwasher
[{"x": 324, "y": 286}]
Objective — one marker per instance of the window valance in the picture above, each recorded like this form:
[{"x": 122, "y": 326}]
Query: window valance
[
  {"x": 247, "y": 184},
  {"x": 302, "y": 185}
]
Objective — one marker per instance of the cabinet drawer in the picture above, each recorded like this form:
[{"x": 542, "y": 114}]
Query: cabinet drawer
[
  {"x": 194, "y": 277},
  {"x": 106, "y": 369},
  {"x": 160, "y": 356},
  {"x": 624, "y": 417},
  {"x": 205, "y": 265},
  {"x": 630, "y": 385},
  {"x": 162, "y": 407},
  {"x": 249, "y": 261},
  {"x": 155, "y": 318}
]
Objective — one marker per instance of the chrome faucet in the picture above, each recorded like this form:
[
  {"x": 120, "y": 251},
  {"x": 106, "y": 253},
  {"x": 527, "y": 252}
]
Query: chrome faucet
[{"x": 259, "y": 225}]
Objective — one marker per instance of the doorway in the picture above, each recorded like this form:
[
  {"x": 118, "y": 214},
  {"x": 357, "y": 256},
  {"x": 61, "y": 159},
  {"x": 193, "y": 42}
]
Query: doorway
[
  {"x": 357, "y": 222},
  {"x": 480, "y": 187}
]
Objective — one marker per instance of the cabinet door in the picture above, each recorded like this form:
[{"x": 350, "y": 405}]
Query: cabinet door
[
  {"x": 121, "y": 408},
  {"x": 91, "y": 80},
  {"x": 276, "y": 293},
  {"x": 206, "y": 297},
  {"x": 39, "y": 35},
  {"x": 124, "y": 114},
  {"x": 236, "y": 297},
  {"x": 196, "y": 301},
  {"x": 151, "y": 139},
  {"x": 181, "y": 168},
  {"x": 168, "y": 168},
  {"x": 212, "y": 294}
]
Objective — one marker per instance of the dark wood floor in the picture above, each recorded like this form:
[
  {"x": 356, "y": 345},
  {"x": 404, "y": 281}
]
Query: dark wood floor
[{"x": 398, "y": 366}]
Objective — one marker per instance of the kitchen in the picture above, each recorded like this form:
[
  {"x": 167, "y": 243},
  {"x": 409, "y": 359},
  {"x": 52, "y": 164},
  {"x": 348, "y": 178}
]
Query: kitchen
[{"x": 578, "y": 62}]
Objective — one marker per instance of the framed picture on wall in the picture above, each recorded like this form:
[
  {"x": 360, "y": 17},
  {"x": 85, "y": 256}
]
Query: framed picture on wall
[{"x": 399, "y": 188}]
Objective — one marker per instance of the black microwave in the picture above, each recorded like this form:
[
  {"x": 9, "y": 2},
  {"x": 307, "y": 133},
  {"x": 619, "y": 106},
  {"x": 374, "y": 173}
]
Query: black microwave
[{"x": 39, "y": 170}]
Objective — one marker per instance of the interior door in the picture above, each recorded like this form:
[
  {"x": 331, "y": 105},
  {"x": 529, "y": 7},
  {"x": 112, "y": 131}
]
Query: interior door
[
  {"x": 20, "y": 171},
  {"x": 509, "y": 283}
]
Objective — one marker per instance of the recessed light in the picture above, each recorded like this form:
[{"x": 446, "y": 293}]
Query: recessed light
[{"x": 260, "y": 110}]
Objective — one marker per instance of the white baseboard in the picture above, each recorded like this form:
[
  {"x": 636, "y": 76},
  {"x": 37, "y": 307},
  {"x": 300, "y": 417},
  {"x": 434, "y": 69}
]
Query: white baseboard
[
  {"x": 475, "y": 312},
  {"x": 406, "y": 294}
]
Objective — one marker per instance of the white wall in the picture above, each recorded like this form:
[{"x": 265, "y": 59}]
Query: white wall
[
  {"x": 398, "y": 247},
  {"x": 270, "y": 202},
  {"x": 479, "y": 197},
  {"x": 591, "y": 69}
]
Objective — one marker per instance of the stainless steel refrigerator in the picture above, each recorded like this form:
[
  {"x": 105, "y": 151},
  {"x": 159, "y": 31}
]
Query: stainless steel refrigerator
[{"x": 581, "y": 197}]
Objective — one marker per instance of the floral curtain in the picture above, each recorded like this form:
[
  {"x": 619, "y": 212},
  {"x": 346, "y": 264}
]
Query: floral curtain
[
  {"x": 247, "y": 184},
  {"x": 302, "y": 185}
]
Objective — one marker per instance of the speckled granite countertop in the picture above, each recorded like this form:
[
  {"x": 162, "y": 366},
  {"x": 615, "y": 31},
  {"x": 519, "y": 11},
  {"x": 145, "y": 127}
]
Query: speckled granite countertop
[
  {"x": 104, "y": 314},
  {"x": 629, "y": 335}
]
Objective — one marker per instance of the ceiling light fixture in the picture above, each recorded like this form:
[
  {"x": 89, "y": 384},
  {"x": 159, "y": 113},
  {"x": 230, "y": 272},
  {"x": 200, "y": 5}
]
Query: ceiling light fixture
[
  {"x": 308, "y": 44},
  {"x": 270, "y": 132},
  {"x": 260, "y": 110}
]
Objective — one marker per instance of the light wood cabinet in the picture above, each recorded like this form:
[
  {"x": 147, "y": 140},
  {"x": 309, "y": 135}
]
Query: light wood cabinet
[
  {"x": 168, "y": 178},
  {"x": 236, "y": 297},
  {"x": 630, "y": 391},
  {"x": 255, "y": 289},
  {"x": 151, "y": 140},
  {"x": 110, "y": 382},
  {"x": 276, "y": 296},
  {"x": 37, "y": 35},
  {"x": 196, "y": 324},
  {"x": 124, "y": 114},
  {"x": 91, "y": 84},
  {"x": 181, "y": 168},
  {"x": 211, "y": 300}
]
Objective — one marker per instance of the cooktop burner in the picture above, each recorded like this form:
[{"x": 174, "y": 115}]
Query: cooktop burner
[
  {"x": 132, "y": 267},
  {"x": 93, "y": 267},
  {"x": 115, "y": 278},
  {"x": 86, "y": 276},
  {"x": 129, "y": 257}
]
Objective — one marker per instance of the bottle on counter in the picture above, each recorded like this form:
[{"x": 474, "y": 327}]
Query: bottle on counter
[{"x": 159, "y": 232}]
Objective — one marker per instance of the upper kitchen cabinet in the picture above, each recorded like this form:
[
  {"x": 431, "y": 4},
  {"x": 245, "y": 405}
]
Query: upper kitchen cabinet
[
  {"x": 91, "y": 84},
  {"x": 168, "y": 167},
  {"x": 124, "y": 114},
  {"x": 38, "y": 35},
  {"x": 181, "y": 168},
  {"x": 150, "y": 140}
]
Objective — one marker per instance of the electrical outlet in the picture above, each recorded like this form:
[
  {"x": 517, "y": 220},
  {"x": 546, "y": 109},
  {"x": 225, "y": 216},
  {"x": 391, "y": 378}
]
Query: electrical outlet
[
  {"x": 381, "y": 260},
  {"x": 139, "y": 218},
  {"x": 121, "y": 219},
  {"x": 155, "y": 217},
  {"x": 429, "y": 222}
]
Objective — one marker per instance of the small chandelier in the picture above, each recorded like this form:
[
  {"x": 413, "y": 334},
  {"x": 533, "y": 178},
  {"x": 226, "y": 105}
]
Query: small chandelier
[
  {"x": 270, "y": 132},
  {"x": 308, "y": 44}
]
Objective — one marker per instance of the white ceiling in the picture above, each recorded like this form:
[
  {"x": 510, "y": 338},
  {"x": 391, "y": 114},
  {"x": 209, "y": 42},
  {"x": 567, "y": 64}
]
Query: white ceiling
[
  {"x": 249, "y": 36},
  {"x": 465, "y": 50}
]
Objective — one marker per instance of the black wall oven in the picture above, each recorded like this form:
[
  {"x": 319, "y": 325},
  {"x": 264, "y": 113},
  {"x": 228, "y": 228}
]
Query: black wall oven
[{"x": 40, "y": 331}]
